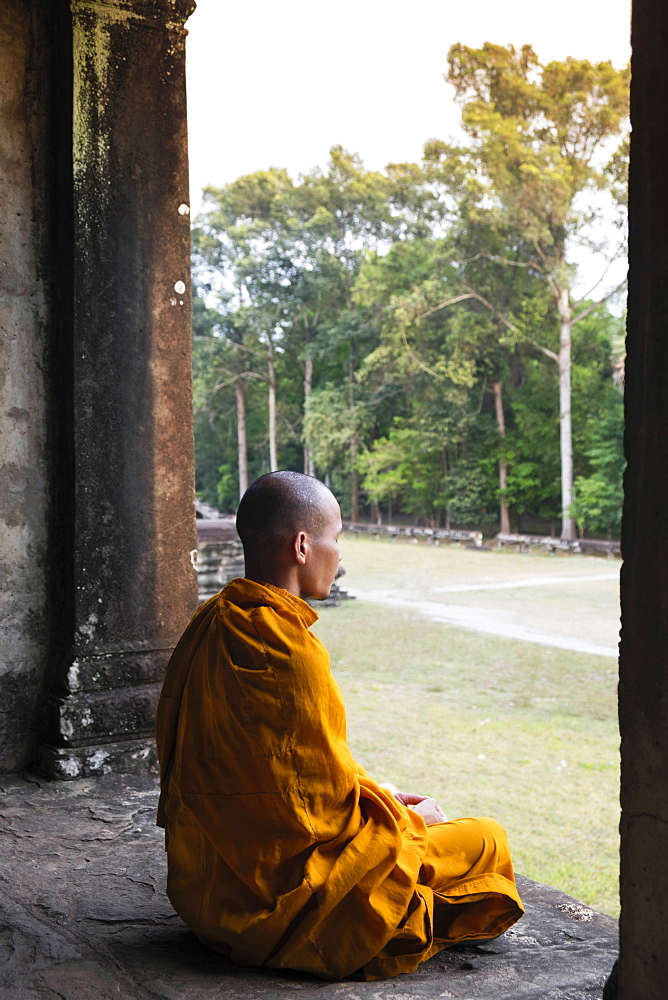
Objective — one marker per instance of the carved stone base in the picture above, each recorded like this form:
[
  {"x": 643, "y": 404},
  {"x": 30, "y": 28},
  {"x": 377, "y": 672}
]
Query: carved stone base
[{"x": 127, "y": 757}]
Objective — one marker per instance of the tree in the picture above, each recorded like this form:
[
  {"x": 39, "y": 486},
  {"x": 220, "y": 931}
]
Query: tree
[
  {"x": 345, "y": 211},
  {"x": 388, "y": 331},
  {"x": 460, "y": 357},
  {"x": 540, "y": 136},
  {"x": 493, "y": 339},
  {"x": 286, "y": 256},
  {"x": 599, "y": 473},
  {"x": 222, "y": 382},
  {"x": 242, "y": 241}
]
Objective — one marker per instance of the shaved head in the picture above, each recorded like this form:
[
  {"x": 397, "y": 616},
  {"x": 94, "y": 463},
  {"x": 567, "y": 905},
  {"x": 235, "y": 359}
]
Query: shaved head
[{"x": 278, "y": 505}]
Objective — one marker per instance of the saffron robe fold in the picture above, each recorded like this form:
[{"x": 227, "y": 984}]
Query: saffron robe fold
[{"x": 281, "y": 850}]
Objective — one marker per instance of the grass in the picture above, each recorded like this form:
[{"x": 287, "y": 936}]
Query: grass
[{"x": 490, "y": 726}]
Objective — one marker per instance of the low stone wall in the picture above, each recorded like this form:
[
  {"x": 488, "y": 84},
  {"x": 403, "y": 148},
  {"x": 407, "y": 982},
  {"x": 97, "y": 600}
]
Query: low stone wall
[
  {"x": 413, "y": 531},
  {"x": 525, "y": 543},
  {"x": 220, "y": 556}
]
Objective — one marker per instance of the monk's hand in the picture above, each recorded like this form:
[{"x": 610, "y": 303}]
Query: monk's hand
[{"x": 427, "y": 807}]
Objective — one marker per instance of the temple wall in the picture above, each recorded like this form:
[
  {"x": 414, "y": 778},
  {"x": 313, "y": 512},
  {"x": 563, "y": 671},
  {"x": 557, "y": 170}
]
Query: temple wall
[{"x": 25, "y": 366}]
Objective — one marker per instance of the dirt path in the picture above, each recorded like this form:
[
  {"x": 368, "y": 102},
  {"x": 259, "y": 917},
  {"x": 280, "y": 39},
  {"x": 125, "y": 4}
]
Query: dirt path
[
  {"x": 492, "y": 621},
  {"x": 532, "y": 581}
]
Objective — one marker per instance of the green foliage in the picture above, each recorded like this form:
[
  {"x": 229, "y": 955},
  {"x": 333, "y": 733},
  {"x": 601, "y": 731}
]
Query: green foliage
[
  {"x": 330, "y": 424},
  {"x": 533, "y": 443},
  {"x": 227, "y": 487},
  {"x": 405, "y": 324},
  {"x": 598, "y": 503},
  {"x": 472, "y": 497},
  {"x": 538, "y": 133},
  {"x": 408, "y": 464},
  {"x": 599, "y": 495}
]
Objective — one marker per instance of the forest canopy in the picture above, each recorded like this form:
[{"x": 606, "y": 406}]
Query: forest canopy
[{"x": 412, "y": 336}]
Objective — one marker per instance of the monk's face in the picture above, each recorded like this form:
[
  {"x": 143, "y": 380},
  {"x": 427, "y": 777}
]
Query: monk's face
[{"x": 323, "y": 554}]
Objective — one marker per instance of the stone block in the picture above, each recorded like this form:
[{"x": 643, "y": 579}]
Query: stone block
[
  {"x": 126, "y": 757},
  {"x": 89, "y": 716}
]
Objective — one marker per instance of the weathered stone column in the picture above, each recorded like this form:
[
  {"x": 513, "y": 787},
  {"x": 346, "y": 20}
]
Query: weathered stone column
[
  {"x": 643, "y": 967},
  {"x": 30, "y": 37},
  {"x": 133, "y": 531}
]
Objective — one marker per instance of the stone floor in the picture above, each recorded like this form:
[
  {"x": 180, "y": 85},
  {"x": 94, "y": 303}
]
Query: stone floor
[{"x": 84, "y": 916}]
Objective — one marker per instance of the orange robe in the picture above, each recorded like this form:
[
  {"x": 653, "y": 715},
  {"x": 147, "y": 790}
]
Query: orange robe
[{"x": 281, "y": 850}]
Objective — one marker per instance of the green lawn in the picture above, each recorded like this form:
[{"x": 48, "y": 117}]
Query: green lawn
[{"x": 516, "y": 730}]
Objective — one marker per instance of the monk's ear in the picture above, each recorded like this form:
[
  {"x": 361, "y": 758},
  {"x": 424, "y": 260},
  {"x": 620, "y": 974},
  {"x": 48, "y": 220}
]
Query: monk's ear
[{"x": 300, "y": 547}]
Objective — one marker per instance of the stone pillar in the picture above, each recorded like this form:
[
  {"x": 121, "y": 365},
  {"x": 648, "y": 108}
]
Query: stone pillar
[
  {"x": 132, "y": 576},
  {"x": 27, "y": 418},
  {"x": 643, "y": 690}
]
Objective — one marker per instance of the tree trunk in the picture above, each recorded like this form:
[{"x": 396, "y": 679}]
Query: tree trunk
[
  {"x": 503, "y": 471},
  {"x": 565, "y": 431},
  {"x": 444, "y": 463},
  {"x": 355, "y": 483},
  {"x": 273, "y": 459},
  {"x": 309, "y": 467},
  {"x": 239, "y": 390},
  {"x": 354, "y": 442}
]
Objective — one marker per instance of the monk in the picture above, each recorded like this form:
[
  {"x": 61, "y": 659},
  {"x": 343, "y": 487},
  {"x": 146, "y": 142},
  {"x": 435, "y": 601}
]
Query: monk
[{"x": 281, "y": 850}]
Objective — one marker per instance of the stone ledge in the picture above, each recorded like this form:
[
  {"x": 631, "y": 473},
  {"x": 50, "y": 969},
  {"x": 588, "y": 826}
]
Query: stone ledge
[
  {"x": 128, "y": 756},
  {"x": 415, "y": 532},
  {"x": 83, "y": 915}
]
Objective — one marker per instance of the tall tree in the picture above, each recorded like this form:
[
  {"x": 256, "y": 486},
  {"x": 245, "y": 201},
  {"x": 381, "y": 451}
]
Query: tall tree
[
  {"x": 345, "y": 212},
  {"x": 545, "y": 143},
  {"x": 467, "y": 353},
  {"x": 243, "y": 243},
  {"x": 291, "y": 253},
  {"x": 223, "y": 384}
]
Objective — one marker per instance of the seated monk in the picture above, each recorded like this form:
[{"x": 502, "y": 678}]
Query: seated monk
[{"x": 282, "y": 851}]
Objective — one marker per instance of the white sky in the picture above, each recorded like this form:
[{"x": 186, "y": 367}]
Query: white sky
[{"x": 277, "y": 82}]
